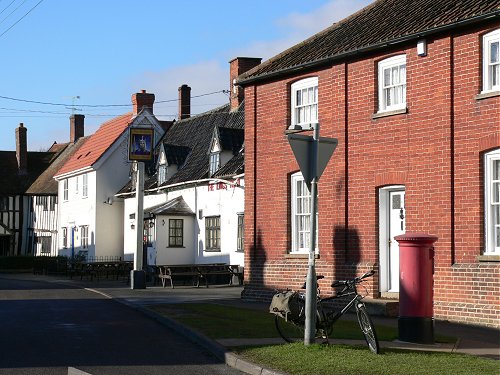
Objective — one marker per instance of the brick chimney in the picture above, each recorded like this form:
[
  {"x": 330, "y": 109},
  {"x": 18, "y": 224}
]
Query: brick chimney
[
  {"x": 142, "y": 100},
  {"x": 237, "y": 66},
  {"x": 184, "y": 102},
  {"x": 76, "y": 127},
  {"x": 22, "y": 148}
]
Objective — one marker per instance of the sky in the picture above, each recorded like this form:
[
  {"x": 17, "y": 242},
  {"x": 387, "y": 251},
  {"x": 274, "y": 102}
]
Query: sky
[{"x": 59, "y": 57}]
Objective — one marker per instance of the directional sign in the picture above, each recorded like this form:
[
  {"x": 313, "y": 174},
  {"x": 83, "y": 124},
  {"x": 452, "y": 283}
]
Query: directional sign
[{"x": 302, "y": 149}]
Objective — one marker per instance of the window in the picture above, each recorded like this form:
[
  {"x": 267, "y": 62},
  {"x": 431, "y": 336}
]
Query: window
[
  {"x": 76, "y": 185},
  {"x": 84, "y": 236},
  {"x": 392, "y": 83},
  {"x": 85, "y": 190},
  {"x": 212, "y": 233},
  {"x": 492, "y": 202},
  {"x": 214, "y": 163},
  {"x": 42, "y": 201},
  {"x": 162, "y": 174},
  {"x": 304, "y": 106},
  {"x": 241, "y": 231},
  {"x": 175, "y": 232},
  {"x": 148, "y": 230},
  {"x": 65, "y": 189},
  {"x": 491, "y": 61},
  {"x": 52, "y": 202},
  {"x": 65, "y": 237},
  {"x": 301, "y": 214},
  {"x": 46, "y": 244}
]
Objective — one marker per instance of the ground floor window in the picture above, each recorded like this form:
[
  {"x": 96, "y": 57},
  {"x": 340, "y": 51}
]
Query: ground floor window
[
  {"x": 84, "y": 236},
  {"x": 175, "y": 232},
  {"x": 212, "y": 233},
  {"x": 65, "y": 237},
  {"x": 492, "y": 202},
  {"x": 301, "y": 214},
  {"x": 241, "y": 231}
]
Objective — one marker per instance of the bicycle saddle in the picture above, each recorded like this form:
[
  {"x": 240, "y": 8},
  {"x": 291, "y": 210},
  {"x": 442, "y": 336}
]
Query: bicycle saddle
[{"x": 318, "y": 277}]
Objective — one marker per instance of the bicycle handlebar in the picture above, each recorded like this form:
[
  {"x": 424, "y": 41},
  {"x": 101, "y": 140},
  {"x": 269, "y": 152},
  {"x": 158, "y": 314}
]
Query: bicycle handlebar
[{"x": 356, "y": 280}]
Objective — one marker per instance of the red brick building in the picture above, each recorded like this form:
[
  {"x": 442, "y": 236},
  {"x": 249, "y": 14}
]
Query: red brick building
[{"x": 411, "y": 90}]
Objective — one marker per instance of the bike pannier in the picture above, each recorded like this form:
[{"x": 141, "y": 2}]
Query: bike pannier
[{"x": 287, "y": 305}]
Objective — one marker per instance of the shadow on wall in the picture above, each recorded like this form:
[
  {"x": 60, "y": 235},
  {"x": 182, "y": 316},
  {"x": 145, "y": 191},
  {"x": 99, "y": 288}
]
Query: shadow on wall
[
  {"x": 347, "y": 253},
  {"x": 254, "y": 270}
]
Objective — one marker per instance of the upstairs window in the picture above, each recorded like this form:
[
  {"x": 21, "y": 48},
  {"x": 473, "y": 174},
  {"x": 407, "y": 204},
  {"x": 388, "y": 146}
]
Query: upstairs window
[
  {"x": 491, "y": 61},
  {"x": 65, "y": 189},
  {"x": 214, "y": 163},
  {"x": 492, "y": 202},
  {"x": 304, "y": 105},
  {"x": 85, "y": 189},
  {"x": 392, "y": 83}
]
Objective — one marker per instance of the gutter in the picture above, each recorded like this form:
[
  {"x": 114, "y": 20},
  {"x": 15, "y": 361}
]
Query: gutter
[
  {"x": 331, "y": 59},
  {"x": 193, "y": 182}
]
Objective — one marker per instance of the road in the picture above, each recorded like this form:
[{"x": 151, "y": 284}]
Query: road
[{"x": 46, "y": 327}]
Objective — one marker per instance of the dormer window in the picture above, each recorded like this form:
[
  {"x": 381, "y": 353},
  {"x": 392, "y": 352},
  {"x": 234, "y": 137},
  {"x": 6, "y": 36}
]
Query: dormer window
[
  {"x": 162, "y": 174},
  {"x": 214, "y": 163}
]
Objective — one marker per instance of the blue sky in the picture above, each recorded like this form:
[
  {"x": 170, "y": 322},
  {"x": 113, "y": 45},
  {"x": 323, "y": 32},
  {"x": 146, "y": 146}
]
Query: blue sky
[{"x": 104, "y": 51}]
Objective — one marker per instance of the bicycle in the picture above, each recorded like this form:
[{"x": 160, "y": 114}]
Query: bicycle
[{"x": 291, "y": 328}]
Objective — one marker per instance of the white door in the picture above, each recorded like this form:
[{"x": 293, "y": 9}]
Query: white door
[{"x": 396, "y": 227}]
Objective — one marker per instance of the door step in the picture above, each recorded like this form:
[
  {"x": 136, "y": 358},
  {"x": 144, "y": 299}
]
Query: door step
[{"x": 382, "y": 306}]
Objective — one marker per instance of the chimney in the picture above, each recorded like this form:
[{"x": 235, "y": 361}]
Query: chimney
[
  {"x": 142, "y": 100},
  {"x": 184, "y": 102},
  {"x": 76, "y": 127},
  {"x": 237, "y": 66},
  {"x": 22, "y": 149}
]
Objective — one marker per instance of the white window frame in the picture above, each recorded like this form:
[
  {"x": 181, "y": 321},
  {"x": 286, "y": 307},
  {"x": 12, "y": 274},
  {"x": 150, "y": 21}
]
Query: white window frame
[
  {"x": 492, "y": 203},
  {"x": 304, "y": 113},
  {"x": 391, "y": 88},
  {"x": 162, "y": 173},
  {"x": 84, "y": 236},
  {"x": 489, "y": 66},
  {"x": 65, "y": 237},
  {"x": 85, "y": 185},
  {"x": 214, "y": 163},
  {"x": 65, "y": 189},
  {"x": 240, "y": 235},
  {"x": 299, "y": 202},
  {"x": 76, "y": 185}
]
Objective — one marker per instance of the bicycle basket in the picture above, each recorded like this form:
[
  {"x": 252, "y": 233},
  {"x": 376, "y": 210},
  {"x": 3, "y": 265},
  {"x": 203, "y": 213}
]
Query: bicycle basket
[{"x": 287, "y": 305}]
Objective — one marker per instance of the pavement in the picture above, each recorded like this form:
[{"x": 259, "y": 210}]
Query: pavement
[{"x": 471, "y": 339}]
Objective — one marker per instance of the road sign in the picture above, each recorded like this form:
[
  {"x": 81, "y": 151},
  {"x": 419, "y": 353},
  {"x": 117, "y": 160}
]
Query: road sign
[{"x": 302, "y": 149}]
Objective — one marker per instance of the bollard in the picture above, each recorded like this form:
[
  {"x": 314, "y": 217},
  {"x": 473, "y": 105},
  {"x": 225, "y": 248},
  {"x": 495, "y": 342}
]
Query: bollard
[{"x": 416, "y": 287}]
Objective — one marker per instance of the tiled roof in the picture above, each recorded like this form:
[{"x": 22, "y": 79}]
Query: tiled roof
[
  {"x": 176, "y": 206},
  {"x": 14, "y": 183},
  {"x": 375, "y": 26},
  {"x": 45, "y": 183},
  {"x": 233, "y": 167},
  {"x": 97, "y": 144},
  {"x": 176, "y": 154},
  {"x": 196, "y": 133}
]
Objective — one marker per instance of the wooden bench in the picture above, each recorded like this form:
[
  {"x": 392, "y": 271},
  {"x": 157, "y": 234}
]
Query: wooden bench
[
  {"x": 179, "y": 271},
  {"x": 198, "y": 272}
]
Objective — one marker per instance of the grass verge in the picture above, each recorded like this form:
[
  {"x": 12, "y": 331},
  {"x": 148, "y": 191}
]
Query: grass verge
[{"x": 222, "y": 321}]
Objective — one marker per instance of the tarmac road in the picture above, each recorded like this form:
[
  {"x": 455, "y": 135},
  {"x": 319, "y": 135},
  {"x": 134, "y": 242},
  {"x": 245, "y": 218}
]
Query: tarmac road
[{"x": 47, "y": 327}]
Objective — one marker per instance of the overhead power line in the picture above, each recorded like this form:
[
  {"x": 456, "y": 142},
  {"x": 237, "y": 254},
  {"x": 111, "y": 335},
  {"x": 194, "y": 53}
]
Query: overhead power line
[
  {"x": 19, "y": 20},
  {"x": 101, "y": 105}
]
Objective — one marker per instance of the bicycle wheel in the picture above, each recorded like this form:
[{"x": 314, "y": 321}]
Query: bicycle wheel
[
  {"x": 288, "y": 330},
  {"x": 366, "y": 325}
]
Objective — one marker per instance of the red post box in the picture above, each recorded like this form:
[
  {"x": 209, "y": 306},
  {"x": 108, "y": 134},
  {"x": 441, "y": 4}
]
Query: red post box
[{"x": 416, "y": 287}]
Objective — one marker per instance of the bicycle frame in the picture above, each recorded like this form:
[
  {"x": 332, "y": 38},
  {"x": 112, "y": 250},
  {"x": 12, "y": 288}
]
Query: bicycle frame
[{"x": 331, "y": 317}]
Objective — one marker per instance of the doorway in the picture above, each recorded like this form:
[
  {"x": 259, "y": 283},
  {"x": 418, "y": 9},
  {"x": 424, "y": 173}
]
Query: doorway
[{"x": 392, "y": 222}]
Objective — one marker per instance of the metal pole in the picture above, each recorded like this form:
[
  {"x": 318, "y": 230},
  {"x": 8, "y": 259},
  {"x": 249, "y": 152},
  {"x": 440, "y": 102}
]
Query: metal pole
[
  {"x": 310, "y": 326},
  {"x": 139, "y": 216}
]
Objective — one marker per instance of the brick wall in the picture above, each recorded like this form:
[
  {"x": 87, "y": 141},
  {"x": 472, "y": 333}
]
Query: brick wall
[{"x": 434, "y": 150}]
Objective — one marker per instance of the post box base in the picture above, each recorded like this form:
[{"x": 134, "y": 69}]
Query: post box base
[
  {"x": 137, "y": 279},
  {"x": 416, "y": 329}
]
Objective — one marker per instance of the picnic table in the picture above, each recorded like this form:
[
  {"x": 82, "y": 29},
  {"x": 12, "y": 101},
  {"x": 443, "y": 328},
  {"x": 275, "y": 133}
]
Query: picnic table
[{"x": 198, "y": 273}]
